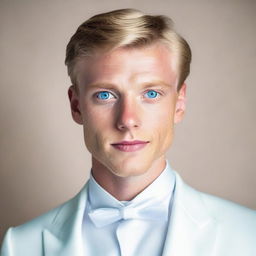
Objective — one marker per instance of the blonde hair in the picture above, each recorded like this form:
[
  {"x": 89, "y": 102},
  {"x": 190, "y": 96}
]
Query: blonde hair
[{"x": 127, "y": 28}]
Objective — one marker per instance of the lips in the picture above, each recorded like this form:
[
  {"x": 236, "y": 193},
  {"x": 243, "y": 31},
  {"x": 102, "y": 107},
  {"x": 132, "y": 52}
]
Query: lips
[{"x": 130, "y": 146}]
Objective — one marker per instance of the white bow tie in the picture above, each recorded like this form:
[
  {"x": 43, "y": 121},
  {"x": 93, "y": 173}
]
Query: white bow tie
[{"x": 151, "y": 210}]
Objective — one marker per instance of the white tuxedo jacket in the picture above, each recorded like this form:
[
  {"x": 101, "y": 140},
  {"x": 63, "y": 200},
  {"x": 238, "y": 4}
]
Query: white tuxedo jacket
[{"x": 200, "y": 225}]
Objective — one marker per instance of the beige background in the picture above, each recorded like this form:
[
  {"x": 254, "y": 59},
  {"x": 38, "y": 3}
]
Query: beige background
[{"x": 43, "y": 159}]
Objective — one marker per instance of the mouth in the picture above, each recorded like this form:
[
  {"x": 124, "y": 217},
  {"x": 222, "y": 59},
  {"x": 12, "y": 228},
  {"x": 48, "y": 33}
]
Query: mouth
[{"x": 130, "y": 146}]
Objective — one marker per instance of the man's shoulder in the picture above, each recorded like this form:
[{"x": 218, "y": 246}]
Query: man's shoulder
[
  {"x": 47, "y": 220},
  {"x": 219, "y": 208},
  {"x": 231, "y": 216},
  {"x": 42, "y": 221},
  {"x": 235, "y": 225},
  {"x": 223, "y": 209},
  {"x": 26, "y": 239},
  {"x": 23, "y": 239},
  {"x": 35, "y": 226}
]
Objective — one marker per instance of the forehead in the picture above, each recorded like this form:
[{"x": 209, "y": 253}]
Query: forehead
[{"x": 136, "y": 65}]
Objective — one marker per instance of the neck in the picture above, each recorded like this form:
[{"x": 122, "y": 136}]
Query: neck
[{"x": 126, "y": 188}]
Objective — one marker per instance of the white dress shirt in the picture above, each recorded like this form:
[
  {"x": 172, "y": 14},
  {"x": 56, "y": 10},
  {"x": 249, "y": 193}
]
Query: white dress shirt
[{"x": 129, "y": 237}]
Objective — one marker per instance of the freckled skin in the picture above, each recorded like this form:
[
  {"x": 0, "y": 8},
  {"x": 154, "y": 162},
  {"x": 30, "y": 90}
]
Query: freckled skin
[{"x": 129, "y": 113}]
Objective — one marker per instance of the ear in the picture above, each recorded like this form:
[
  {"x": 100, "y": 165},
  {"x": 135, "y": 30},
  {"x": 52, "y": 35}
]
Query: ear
[
  {"x": 74, "y": 104},
  {"x": 180, "y": 104}
]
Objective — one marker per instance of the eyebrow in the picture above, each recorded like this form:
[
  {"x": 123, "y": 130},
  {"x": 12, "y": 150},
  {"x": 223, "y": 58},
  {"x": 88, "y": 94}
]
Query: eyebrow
[
  {"x": 101, "y": 85},
  {"x": 151, "y": 84},
  {"x": 156, "y": 83}
]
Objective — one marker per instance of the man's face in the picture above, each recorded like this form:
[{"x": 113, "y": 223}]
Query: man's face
[{"x": 127, "y": 103}]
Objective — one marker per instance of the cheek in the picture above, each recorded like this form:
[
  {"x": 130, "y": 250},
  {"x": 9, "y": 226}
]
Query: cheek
[
  {"x": 162, "y": 117},
  {"x": 97, "y": 123},
  {"x": 91, "y": 126},
  {"x": 94, "y": 140},
  {"x": 97, "y": 116},
  {"x": 166, "y": 129},
  {"x": 88, "y": 135},
  {"x": 95, "y": 133},
  {"x": 164, "y": 126}
]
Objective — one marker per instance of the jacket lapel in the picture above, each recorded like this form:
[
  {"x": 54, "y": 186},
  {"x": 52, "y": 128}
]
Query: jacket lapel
[
  {"x": 191, "y": 230},
  {"x": 64, "y": 236}
]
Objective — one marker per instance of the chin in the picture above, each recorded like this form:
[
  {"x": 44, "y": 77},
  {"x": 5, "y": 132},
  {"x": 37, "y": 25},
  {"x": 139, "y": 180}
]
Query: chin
[{"x": 129, "y": 170}]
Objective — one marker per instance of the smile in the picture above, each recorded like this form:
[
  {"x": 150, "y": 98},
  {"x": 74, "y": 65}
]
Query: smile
[{"x": 130, "y": 146}]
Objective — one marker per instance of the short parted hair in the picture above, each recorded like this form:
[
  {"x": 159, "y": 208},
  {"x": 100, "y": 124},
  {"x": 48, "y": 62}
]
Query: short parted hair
[{"x": 127, "y": 28}]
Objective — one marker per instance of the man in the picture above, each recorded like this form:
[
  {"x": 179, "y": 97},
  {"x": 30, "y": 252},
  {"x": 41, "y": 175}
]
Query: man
[{"x": 128, "y": 73}]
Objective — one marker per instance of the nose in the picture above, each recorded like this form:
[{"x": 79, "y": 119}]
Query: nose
[{"x": 128, "y": 115}]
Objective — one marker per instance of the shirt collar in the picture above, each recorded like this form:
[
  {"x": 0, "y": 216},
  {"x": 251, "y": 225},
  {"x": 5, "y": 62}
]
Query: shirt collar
[{"x": 161, "y": 187}]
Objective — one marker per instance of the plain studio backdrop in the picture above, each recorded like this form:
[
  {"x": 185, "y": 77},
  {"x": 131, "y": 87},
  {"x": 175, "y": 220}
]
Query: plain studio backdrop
[{"x": 43, "y": 158}]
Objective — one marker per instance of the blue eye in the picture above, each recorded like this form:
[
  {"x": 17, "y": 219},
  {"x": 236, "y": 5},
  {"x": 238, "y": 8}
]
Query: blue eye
[
  {"x": 104, "y": 95},
  {"x": 151, "y": 94}
]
